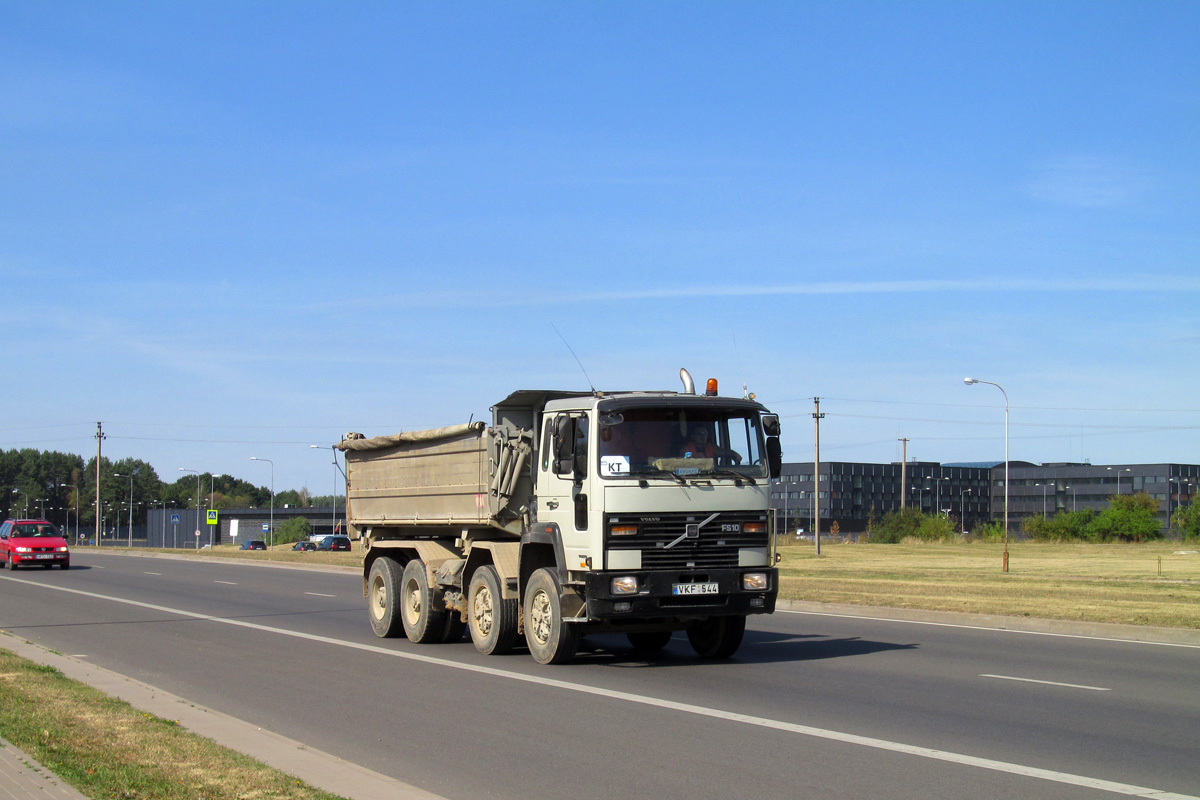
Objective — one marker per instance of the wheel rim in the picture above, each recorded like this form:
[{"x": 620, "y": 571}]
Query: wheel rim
[
  {"x": 539, "y": 616},
  {"x": 412, "y": 602},
  {"x": 482, "y": 610},
  {"x": 378, "y": 598}
]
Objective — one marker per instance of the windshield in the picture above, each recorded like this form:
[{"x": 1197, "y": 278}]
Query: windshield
[
  {"x": 680, "y": 442},
  {"x": 34, "y": 531}
]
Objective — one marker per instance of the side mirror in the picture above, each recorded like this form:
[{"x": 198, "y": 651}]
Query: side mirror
[
  {"x": 770, "y": 423},
  {"x": 564, "y": 445},
  {"x": 774, "y": 457}
]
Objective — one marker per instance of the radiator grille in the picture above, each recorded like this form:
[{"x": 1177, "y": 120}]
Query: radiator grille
[{"x": 716, "y": 545}]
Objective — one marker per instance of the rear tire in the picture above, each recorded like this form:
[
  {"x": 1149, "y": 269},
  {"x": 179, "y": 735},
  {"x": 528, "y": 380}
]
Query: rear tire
[
  {"x": 550, "y": 640},
  {"x": 421, "y": 607},
  {"x": 717, "y": 637},
  {"x": 493, "y": 619},
  {"x": 383, "y": 598}
]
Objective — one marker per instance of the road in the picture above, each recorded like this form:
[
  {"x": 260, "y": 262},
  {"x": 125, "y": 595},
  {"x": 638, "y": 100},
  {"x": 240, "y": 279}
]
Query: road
[{"x": 812, "y": 706}]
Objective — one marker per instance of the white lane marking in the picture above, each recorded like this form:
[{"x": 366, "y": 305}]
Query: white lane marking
[
  {"x": 318, "y": 594},
  {"x": 227, "y": 583},
  {"x": 986, "y": 628},
  {"x": 153, "y": 573},
  {"x": 686, "y": 708},
  {"x": 1047, "y": 683}
]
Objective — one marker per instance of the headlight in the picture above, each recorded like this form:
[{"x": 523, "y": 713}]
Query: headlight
[
  {"x": 24, "y": 549},
  {"x": 755, "y": 527},
  {"x": 60, "y": 549},
  {"x": 754, "y": 581},
  {"x": 626, "y": 584},
  {"x": 623, "y": 530}
]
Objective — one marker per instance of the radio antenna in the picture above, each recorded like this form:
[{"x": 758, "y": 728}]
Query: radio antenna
[{"x": 577, "y": 361}]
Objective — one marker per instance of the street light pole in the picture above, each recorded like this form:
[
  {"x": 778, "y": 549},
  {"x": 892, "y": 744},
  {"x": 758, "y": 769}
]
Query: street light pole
[
  {"x": 972, "y": 382},
  {"x": 130, "y": 476},
  {"x": 197, "y": 474},
  {"x": 337, "y": 468},
  {"x": 272, "y": 525}
]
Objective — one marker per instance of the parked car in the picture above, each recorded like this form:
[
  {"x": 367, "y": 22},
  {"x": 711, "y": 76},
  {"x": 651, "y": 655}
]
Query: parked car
[
  {"x": 334, "y": 543},
  {"x": 253, "y": 544},
  {"x": 304, "y": 546},
  {"x": 25, "y": 542}
]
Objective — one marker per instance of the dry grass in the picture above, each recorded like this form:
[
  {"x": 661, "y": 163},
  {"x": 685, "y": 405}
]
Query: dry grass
[
  {"x": 1146, "y": 584},
  {"x": 107, "y": 749}
]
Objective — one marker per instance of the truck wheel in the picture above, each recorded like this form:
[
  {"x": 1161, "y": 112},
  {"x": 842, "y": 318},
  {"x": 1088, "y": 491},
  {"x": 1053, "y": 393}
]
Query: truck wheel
[
  {"x": 550, "y": 640},
  {"x": 383, "y": 598},
  {"x": 452, "y": 631},
  {"x": 649, "y": 642},
  {"x": 493, "y": 619},
  {"x": 717, "y": 637},
  {"x": 421, "y": 608}
]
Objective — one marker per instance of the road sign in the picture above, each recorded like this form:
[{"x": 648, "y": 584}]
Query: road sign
[
  {"x": 212, "y": 516},
  {"x": 266, "y": 528},
  {"x": 174, "y": 519}
]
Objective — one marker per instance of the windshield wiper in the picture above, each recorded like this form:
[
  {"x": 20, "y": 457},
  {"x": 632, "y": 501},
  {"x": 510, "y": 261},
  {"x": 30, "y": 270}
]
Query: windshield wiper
[
  {"x": 737, "y": 476},
  {"x": 654, "y": 471}
]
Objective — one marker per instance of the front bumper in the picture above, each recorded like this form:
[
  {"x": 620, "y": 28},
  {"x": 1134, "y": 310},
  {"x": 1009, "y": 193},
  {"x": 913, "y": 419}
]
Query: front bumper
[
  {"x": 656, "y": 597},
  {"x": 31, "y": 559}
]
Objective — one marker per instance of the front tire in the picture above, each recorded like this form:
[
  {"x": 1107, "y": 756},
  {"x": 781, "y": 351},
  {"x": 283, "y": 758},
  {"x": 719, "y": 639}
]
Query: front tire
[
  {"x": 550, "y": 640},
  {"x": 717, "y": 637},
  {"x": 649, "y": 642},
  {"x": 383, "y": 598},
  {"x": 493, "y": 619},
  {"x": 421, "y": 606}
]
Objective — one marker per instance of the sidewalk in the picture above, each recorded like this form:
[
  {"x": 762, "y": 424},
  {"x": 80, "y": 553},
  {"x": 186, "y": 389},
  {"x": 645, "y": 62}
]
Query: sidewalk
[{"x": 22, "y": 778}]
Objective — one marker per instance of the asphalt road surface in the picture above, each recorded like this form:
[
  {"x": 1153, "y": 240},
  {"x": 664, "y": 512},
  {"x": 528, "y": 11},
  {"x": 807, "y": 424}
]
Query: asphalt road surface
[{"x": 812, "y": 705}]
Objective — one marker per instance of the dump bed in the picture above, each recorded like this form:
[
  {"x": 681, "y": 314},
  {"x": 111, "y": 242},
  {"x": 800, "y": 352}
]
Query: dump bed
[{"x": 462, "y": 476}]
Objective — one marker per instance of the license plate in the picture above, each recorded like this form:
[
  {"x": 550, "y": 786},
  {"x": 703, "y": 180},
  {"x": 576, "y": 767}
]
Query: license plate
[
  {"x": 695, "y": 588},
  {"x": 44, "y": 555}
]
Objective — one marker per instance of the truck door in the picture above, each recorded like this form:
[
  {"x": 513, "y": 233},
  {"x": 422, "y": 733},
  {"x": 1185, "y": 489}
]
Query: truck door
[{"x": 562, "y": 494}]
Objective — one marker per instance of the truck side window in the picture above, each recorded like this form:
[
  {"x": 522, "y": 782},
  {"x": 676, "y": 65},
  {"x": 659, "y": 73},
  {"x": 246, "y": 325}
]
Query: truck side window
[
  {"x": 570, "y": 445},
  {"x": 581, "y": 447}
]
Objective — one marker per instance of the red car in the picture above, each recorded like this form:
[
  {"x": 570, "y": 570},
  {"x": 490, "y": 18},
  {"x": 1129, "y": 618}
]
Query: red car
[{"x": 25, "y": 542}]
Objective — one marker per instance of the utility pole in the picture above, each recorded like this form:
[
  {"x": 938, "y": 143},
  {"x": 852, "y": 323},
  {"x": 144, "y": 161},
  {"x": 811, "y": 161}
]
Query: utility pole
[
  {"x": 903, "y": 473},
  {"x": 817, "y": 417},
  {"x": 99, "y": 439}
]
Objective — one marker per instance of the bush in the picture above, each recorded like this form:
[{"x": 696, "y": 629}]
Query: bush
[
  {"x": 896, "y": 526},
  {"x": 1129, "y": 518},
  {"x": 989, "y": 531},
  {"x": 1068, "y": 526},
  {"x": 1186, "y": 520},
  {"x": 296, "y": 529},
  {"x": 911, "y": 524}
]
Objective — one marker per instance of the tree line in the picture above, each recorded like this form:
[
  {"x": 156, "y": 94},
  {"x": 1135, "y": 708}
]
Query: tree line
[
  {"x": 56, "y": 486},
  {"x": 1128, "y": 518}
]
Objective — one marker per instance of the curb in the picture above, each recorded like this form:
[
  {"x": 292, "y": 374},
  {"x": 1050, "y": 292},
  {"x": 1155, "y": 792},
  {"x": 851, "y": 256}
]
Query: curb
[{"x": 314, "y": 767}]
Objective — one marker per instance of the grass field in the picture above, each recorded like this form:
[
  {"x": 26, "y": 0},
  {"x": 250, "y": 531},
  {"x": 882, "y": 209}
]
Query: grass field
[
  {"x": 1145, "y": 584},
  {"x": 1137, "y": 584},
  {"x": 107, "y": 749}
]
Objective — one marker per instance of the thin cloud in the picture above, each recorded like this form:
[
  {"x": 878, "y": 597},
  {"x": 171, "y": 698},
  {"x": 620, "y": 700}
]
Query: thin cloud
[{"x": 492, "y": 299}]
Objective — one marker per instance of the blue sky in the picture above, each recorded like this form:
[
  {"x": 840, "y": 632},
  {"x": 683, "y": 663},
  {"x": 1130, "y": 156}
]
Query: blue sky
[{"x": 238, "y": 229}]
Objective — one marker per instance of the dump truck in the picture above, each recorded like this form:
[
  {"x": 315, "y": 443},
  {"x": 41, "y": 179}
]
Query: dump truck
[{"x": 640, "y": 513}]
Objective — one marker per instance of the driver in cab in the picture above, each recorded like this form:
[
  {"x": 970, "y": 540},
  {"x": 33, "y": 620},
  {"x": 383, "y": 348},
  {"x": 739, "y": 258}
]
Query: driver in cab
[{"x": 698, "y": 446}]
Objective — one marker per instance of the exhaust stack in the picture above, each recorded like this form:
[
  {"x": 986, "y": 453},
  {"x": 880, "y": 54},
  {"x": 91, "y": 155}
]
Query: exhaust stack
[{"x": 689, "y": 386}]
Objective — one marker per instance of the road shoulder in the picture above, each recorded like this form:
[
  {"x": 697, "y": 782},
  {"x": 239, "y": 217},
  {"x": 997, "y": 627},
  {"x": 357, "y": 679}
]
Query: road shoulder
[{"x": 314, "y": 767}]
